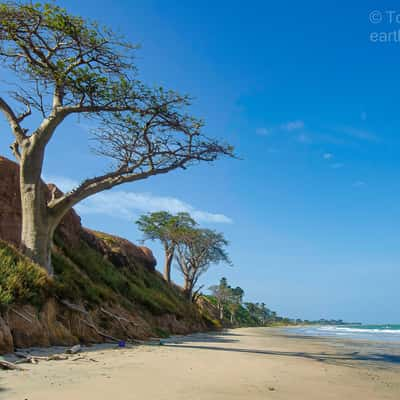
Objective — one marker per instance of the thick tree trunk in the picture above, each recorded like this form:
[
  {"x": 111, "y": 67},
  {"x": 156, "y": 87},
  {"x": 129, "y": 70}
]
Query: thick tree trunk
[
  {"x": 167, "y": 266},
  {"x": 37, "y": 224}
]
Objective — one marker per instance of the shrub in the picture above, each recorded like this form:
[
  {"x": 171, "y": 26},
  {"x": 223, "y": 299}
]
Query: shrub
[{"x": 21, "y": 280}]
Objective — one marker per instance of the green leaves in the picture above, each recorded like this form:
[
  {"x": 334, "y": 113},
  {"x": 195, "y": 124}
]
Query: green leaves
[
  {"x": 166, "y": 227},
  {"x": 21, "y": 281},
  {"x": 46, "y": 44}
]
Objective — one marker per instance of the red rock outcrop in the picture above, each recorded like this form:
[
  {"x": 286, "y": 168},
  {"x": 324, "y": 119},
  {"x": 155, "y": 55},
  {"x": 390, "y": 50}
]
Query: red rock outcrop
[
  {"x": 10, "y": 209},
  {"x": 6, "y": 339},
  {"x": 119, "y": 250}
]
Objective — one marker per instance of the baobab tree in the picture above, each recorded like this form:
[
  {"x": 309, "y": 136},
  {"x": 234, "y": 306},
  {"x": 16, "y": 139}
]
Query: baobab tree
[
  {"x": 66, "y": 66},
  {"x": 196, "y": 251},
  {"x": 166, "y": 228}
]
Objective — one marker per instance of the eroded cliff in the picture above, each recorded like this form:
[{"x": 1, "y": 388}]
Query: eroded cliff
[{"x": 105, "y": 287}]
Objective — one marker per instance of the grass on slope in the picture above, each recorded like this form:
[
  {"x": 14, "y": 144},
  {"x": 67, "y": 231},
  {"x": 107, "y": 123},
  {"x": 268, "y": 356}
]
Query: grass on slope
[
  {"x": 84, "y": 273},
  {"x": 21, "y": 280}
]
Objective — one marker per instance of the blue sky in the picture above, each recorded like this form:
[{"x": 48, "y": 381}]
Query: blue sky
[{"x": 311, "y": 104}]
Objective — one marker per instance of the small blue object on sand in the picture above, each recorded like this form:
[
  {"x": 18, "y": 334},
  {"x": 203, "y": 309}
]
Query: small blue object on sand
[{"x": 121, "y": 343}]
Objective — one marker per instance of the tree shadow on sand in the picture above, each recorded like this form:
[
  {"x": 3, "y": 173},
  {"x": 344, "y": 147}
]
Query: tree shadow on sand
[
  {"x": 333, "y": 358},
  {"x": 218, "y": 337}
]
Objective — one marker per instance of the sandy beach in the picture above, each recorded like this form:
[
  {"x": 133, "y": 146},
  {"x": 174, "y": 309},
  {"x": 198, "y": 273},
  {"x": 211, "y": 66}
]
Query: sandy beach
[{"x": 248, "y": 363}]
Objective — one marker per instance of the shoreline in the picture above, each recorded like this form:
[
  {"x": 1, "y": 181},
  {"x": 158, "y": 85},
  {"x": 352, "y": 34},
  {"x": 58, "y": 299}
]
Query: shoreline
[{"x": 251, "y": 363}]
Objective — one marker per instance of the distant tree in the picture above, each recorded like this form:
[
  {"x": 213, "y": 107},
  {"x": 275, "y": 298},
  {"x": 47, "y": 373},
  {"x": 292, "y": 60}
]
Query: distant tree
[
  {"x": 252, "y": 310},
  {"x": 168, "y": 229},
  {"x": 196, "y": 251},
  {"x": 66, "y": 66},
  {"x": 260, "y": 313},
  {"x": 235, "y": 302},
  {"x": 222, "y": 294}
]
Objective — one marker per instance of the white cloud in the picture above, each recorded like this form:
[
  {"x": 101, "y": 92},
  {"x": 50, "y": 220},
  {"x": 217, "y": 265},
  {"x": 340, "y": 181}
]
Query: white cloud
[
  {"x": 292, "y": 125},
  {"x": 127, "y": 205},
  {"x": 327, "y": 156}
]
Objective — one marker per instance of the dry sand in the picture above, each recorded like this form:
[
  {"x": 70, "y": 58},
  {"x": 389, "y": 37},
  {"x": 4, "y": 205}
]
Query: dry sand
[{"x": 251, "y": 363}]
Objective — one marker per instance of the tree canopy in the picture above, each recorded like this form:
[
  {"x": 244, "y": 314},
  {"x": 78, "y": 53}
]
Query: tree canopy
[
  {"x": 197, "y": 250},
  {"x": 168, "y": 229},
  {"x": 66, "y": 65}
]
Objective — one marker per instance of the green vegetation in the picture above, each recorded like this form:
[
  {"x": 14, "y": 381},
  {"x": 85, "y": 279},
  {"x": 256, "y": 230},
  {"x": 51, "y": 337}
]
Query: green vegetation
[
  {"x": 232, "y": 310},
  {"x": 197, "y": 250},
  {"x": 169, "y": 230},
  {"x": 193, "y": 248},
  {"x": 21, "y": 281},
  {"x": 64, "y": 65},
  {"x": 85, "y": 274}
]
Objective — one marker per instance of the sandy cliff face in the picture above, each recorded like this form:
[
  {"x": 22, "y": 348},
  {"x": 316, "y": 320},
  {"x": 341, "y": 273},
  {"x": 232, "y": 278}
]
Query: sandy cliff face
[
  {"x": 58, "y": 324},
  {"x": 60, "y": 321},
  {"x": 10, "y": 209}
]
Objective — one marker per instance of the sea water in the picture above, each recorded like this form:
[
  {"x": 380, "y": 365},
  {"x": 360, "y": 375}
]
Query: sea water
[{"x": 380, "y": 333}]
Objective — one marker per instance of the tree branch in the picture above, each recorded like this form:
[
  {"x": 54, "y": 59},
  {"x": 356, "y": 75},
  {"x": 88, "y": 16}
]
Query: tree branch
[
  {"x": 12, "y": 120},
  {"x": 59, "y": 206},
  {"x": 15, "y": 150}
]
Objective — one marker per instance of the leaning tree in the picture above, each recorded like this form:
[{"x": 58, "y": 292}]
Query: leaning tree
[
  {"x": 196, "y": 251},
  {"x": 166, "y": 228},
  {"x": 63, "y": 65}
]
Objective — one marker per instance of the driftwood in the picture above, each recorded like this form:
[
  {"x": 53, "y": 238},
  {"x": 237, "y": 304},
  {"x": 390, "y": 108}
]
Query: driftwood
[
  {"x": 35, "y": 359},
  {"x": 117, "y": 317},
  {"x": 74, "y": 307},
  {"x": 80, "y": 309},
  {"x": 84, "y": 358},
  {"x": 99, "y": 332},
  {"x": 21, "y": 315},
  {"x": 9, "y": 366}
]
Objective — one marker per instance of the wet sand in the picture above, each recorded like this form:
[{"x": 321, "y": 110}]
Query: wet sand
[{"x": 248, "y": 363}]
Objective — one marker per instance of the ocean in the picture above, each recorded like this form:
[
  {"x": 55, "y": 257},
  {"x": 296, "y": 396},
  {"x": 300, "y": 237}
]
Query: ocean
[{"x": 380, "y": 333}]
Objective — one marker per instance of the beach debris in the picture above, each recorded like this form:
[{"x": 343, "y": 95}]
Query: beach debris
[
  {"x": 117, "y": 317},
  {"x": 21, "y": 315},
  {"x": 90, "y": 325},
  {"x": 271, "y": 389},
  {"x": 83, "y": 358},
  {"x": 27, "y": 358},
  {"x": 121, "y": 343},
  {"x": 9, "y": 365},
  {"x": 74, "y": 349},
  {"x": 74, "y": 307}
]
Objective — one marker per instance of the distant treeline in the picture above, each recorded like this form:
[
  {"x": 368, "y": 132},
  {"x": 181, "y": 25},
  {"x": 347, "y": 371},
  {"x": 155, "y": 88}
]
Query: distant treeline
[
  {"x": 234, "y": 312},
  {"x": 323, "y": 321}
]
